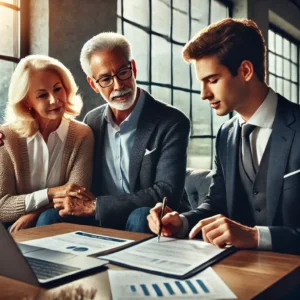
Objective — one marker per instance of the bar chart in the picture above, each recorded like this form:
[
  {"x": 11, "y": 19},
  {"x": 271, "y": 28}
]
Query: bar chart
[{"x": 170, "y": 288}]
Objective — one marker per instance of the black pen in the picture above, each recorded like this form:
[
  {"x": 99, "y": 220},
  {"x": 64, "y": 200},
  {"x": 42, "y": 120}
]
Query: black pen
[{"x": 161, "y": 216}]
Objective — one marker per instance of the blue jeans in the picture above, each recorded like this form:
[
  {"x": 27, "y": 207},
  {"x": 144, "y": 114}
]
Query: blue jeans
[
  {"x": 51, "y": 216},
  {"x": 137, "y": 220}
]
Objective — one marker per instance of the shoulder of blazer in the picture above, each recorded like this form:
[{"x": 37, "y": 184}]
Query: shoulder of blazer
[
  {"x": 161, "y": 109},
  {"x": 93, "y": 115}
]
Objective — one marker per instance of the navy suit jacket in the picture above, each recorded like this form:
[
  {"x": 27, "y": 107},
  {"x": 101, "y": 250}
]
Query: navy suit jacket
[
  {"x": 158, "y": 174},
  {"x": 282, "y": 194}
]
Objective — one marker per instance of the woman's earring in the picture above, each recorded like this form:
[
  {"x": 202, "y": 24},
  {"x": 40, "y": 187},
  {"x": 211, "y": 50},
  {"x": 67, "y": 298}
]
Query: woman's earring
[{"x": 29, "y": 108}]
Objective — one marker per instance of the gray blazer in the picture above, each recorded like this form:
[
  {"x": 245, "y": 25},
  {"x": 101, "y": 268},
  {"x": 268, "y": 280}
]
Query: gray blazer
[
  {"x": 282, "y": 193},
  {"x": 158, "y": 174}
]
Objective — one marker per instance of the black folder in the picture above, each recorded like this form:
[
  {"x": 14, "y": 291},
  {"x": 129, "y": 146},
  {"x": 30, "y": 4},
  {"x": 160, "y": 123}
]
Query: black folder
[{"x": 184, "y": 275}]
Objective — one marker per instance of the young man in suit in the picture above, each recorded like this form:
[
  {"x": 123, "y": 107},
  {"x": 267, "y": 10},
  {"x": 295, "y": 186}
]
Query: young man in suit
[
  {"x": 253, "y": 201},
  {"x": 140, "y": 144}
]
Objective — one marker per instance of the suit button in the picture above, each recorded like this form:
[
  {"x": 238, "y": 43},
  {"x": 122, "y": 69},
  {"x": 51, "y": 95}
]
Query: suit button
[{"x": 255, "y": 192}]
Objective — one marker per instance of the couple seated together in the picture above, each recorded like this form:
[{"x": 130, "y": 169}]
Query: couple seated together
[{"x": 128, "y": 154}]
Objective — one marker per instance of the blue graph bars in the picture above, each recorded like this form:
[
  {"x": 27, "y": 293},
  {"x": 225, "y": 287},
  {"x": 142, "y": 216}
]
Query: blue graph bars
[{"x": 170, "y": 288}]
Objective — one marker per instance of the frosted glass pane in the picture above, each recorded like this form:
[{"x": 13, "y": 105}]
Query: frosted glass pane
[
  {"x": 8, "y": 19},
  {"x": 199, "y": 12},
  {"x": 181, "y": 73},
  {"x": 286, "y": 69},
  {"x": 294, "y": 97},
  {"x": 294, "y": 53},
  {"x": 278, "y": 66},
  {"x": 272, "y": 82},
  {"x": 137, "y": 11},
  {"x": 286, "y": 48},
  {"x": 271, "y": 57},
  {"x": 161, "y": 60},
  {"x": 180, "y": 21},
  {"x": 279, "y": 86},
  {"x": 6, "y": 70},
  {"x": 218, "y": 11},
  {"x": 181, "y": 100},
  {"x": 271, "y": 40},
  {"x": 161, "y": 16},
  {"x": 278, "y": 44},
  {"x": 287, "y": 89},
  {"x": 119, "y": 25},
  {"x": 199, "y": 154},
  {"x": 138, "y": 37},
  {"x": 201, "y": 115},
  {"x": 119, "y": 7},
  {"x": 294, "y": 72},
  {"x": 161, "y": 93}
]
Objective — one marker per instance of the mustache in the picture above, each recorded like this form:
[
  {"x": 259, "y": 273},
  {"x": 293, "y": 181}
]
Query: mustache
[{"x": 115, "y": 94}]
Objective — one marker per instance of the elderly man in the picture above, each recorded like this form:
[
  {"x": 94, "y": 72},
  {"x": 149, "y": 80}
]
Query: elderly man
[{"x": 140, "y": 144}]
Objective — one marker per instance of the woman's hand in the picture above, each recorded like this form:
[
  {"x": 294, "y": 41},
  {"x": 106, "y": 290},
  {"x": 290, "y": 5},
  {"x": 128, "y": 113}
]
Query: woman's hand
[
  {"x": 73, "y": 190},
  {"x": 25, "y": 221}
]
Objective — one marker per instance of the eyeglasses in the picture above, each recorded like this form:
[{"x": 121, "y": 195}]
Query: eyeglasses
[{"x": 108, "y": 80}]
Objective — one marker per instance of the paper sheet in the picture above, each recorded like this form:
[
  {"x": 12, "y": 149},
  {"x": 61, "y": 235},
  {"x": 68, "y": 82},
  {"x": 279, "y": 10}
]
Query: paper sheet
[
  {"x": 138, "y": 285},
  {"x": 79, "y": 243},
  {"x": 169, "y": 256}
]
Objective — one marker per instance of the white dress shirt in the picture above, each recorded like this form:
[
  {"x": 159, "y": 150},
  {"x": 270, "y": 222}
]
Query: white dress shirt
[
  {"x": 263, "y": 118},
  {"x": 45, "y": 164}
]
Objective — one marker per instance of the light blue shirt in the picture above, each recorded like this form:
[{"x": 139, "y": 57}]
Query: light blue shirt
[{"x": 118, "y": 141}]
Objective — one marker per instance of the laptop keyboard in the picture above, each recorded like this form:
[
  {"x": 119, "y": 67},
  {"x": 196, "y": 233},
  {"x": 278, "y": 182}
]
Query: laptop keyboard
[{"x": 46, "y": 269}]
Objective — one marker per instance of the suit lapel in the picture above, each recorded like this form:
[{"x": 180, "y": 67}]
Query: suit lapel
[
  {"x": 146, "y": 124},
  {"x": 231, "y": 163},
  {"x": 281, "y": 141}
]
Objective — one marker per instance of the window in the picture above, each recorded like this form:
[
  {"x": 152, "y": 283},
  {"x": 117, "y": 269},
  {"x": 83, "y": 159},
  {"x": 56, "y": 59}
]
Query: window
[
  {"x": 283, "y": 64},
  {"x": 158, "y": 30},
  {"x": 10, "y": 46}
]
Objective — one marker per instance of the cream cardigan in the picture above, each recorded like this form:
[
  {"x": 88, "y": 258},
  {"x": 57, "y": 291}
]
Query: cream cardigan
[{"x": 77, "y": 167}]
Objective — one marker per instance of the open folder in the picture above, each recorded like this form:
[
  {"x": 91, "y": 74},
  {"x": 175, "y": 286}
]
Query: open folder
[{"x": 169, "y": 257}]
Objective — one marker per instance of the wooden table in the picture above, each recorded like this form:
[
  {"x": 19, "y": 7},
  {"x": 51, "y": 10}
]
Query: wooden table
[{"x": 249, "y": 274}]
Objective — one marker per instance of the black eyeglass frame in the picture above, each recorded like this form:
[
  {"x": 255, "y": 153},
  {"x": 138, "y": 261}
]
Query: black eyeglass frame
[{"x": 112, "y": 76}]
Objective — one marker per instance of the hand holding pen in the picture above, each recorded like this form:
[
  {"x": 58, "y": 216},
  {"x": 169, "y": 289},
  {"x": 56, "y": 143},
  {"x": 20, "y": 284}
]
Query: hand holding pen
[{"x": 161, "y": 216}]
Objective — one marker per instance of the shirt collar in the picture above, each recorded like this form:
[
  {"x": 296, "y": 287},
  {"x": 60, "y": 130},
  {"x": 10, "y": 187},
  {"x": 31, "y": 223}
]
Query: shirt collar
[
  {"x": 61, "y": 131},
  {"x": 132, "y": 119},
  {"x": 265, "y": 114}
]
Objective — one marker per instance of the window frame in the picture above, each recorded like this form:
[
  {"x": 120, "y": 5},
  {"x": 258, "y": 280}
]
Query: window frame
[{"x": 170, "y": 39}]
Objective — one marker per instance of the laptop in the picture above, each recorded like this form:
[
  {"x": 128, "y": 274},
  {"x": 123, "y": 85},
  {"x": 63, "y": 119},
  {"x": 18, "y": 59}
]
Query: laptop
[{"x": 40, "y": 266}]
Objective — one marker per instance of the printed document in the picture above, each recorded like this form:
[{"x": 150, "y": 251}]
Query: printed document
[
  {"x": 79, "y": 243},
  {"x": 130, "y": 285},
  {"x": 168, "y": 256}
]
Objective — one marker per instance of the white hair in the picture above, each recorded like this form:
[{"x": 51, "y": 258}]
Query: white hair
[{"x": 102, "y": 42}]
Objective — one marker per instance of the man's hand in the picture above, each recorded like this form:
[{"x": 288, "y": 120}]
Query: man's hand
[
  {"x": 2, "y": 138},
  {"x": 219, "y": 231},
  {"x": 25, "y": 221},
  {"x": 171, "y": 222},
  {"x": 72, "y": 190},
  {"x": 83, "y": 207}
]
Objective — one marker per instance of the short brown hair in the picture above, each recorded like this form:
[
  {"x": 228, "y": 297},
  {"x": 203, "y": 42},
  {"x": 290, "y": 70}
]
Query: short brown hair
[{"x": 232, "y": 41}]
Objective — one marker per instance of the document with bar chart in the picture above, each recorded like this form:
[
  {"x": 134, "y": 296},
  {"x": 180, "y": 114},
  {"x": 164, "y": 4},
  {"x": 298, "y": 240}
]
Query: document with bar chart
[
  {"x": 138, "y": 285},
  {"x": 172, "y": 257}
]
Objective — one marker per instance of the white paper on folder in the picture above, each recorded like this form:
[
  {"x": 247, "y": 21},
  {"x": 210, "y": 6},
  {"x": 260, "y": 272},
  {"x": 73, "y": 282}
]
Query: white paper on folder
[
  {"x": 135, "y": 285},
  {"x": 79, "y": 243},
  {"x": 169, "y": 256}
]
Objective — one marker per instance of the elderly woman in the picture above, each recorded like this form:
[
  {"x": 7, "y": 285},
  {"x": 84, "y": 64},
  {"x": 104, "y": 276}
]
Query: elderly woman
[{"x": 47, "y": 153}]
